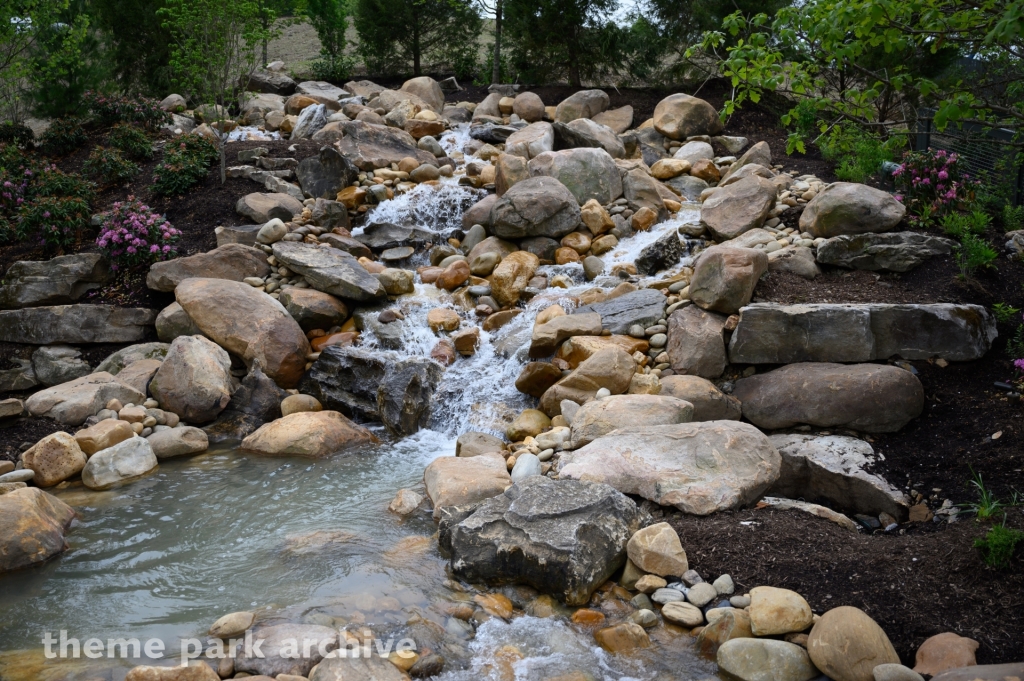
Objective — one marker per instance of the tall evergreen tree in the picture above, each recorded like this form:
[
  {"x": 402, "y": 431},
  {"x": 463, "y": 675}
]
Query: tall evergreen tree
[{"x": 136, "y": 44}]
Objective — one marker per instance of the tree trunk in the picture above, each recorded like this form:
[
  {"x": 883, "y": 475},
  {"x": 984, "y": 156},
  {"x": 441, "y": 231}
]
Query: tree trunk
[
  {"x": 223, "y": 136},
  {"x": 416, "y": 45},
  {"x": 496, "y": 71}
]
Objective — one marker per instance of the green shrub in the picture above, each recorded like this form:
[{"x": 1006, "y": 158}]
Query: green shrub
[
  {"x": 334, "y": 69},
  {"x": 857, "y": 155},
  {"x": 111, "y": 109},
  {"x": 957, "y": 224},
  {"x": 999, "y": 545},
  {"x": 56, "y": 220},
  {"x": 1013, "y": 218},
  {"x": 109, "y": 166},
  {"x": 15, "y": 133},
  {"x": 133, "y": 142},
  {"x": 41, "y": 202},
  {"x": 1005, "y": 312},
  {"x": 973, "y": 253},
  {"x": 62, "y": 137},
  {"x": 185, "y": 165}
]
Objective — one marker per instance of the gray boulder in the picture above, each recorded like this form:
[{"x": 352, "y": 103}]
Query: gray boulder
[
  {"x": 892, "y": 252},
  {"x": 21, "y": 377},
  {"x": 644, "y": 307},
  {"x": 768, "y": 333},
  {"x": 73, "y": 402},
  {"x": 588, "y": 173},
  {"x": 75, "y": 324},
  {"x": 55, "y": 364},
  {"x": 709, "y": 403},
  {"x": 272, "y": 82},
  {"x": 662, "y": 254},
  {"x": 131, "y": 354},
  {"x": 376, "y": 146},
  {"x": 740, "y": 207},
  {"x": 125, "y": 461},
  {"x": 262, "y": 208},
  {"x": 871, "y": 398},
  {"x": 539, "y": 206},
  {"x": 688, "y": 186},
  {"x": 531, "y": 141},
  {"x": 562, "y": 537},
  {"x": 311, "y": 120},
  {"x": 194, "y": 380},
  {"x": 234, "y": 262},
  {"x": 589, "y": 133},
  {"x": 582, "y": 104},
  {"x": 277, "y": 655},
  {"x": 58, "y": 281},
  {"x": 181, "y": 441},
  {"x": 380, "y": 236},
  {"x": 759, "y": 154},
  {"x": 600, "y": 417},
  {"x": 172, "y": 322},
  {"x": 329, "y": 270},
  {"x": 327, "y": 173},
  {"x": 850, "y": 208},
  {"x": 642, "y": 191},
  {"x": 696, "y": 342}
]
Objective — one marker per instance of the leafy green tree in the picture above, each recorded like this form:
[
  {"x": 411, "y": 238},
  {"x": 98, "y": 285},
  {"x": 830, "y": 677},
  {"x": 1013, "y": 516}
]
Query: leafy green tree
[
  {"x": 572, "y": 39},
  {"x": 330, "y": 19},
  {"x": 423, "y": 34},
  {"x": 67, "y": 61},
  {"x": 138, "y": 57}
]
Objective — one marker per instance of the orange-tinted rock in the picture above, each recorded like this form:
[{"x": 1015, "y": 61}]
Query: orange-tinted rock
[
  {"x": 453, "y": 276},
  {"x": 342, "y": 338}
]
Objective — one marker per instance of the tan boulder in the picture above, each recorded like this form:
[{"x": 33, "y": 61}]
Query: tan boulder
[
  {"x": 138, "y": 374},
  {"x": 619, "y": 120},
  {"x": 667, "y": 168},
  {"x": 232, "y": 625},
  {"x": 847, "y": 645},
  {"x": 443, "y": 319},
  {"x": 508, "y": 170},
  {"x": 656, "y": 549},
  {"x": 709, "y": 403},
  {"x": 234, "y": 262},
  {"x": 33, "y": 527},
  {"x": 248, "y": 323},
  {"x": 536, "y": 377},
  {"x": 194, "y": 380},
  {"x": 530, "y": 423},
  {"x": 512, "y": 275},
  {"x": 73, "y": 402},
  {"x": 680, "y": 116},
  {"x": 54, "y": 459},
  {"x": 696, "y": 342},
  {"x": 610, "y": 367},
  {"x": 945, "y": 651},
  {"x": 850, "y": 208},
  {"x": 764, "y": 660},
  {"x": 179, "y": 441},
  {"x": 600, "y": 417},
  {"x": 724, "y": 278},
  {"x": 196, "y": 670},
  {"x": 731, "y": 625},
  {"x": 528, "y": 106},
  {"x": 548, "y": 336},
  {"x": 596, "y": 218},
  {"x": 547, "y": 314},
  {"x": 315, "y": 434},
  {"x": 293, "y": 404},
  {"x": 738, "y": 208},
  {"x": 106, "y": 433},
  {"x": 580, "y": 348},
  {"x": 778, "y": 611},
  {"x": 682, "y": 613},
  {"x": 623, "y": 638},
  {"x": 473, "y": 443},
  {"x": 455, "y": 481}
]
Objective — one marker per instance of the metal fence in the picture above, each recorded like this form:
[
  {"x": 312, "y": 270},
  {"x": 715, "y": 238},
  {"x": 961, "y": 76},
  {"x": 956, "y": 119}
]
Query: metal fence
[{"x": 983, "y": 152}]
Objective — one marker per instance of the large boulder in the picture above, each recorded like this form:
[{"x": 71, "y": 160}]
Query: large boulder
[
  {"x": 758, "y": 155},
  {"x": 262, "y": 208},
  {"x": 73, "y": 402},
  {"x": 375, "y": 386},
  {"x": 313, "y": 309},
  {"x": 644, "y": 307},
  {"x": 311, "y": 120},
  {"x": 180, "y": 441},
  {"x": 365, "y": 668},
  {"x": 531, "y": 141},
  {"x": 273, "y": 82},
  {"x": 126, "y": 461},
  {"x": 196, "y": 670},
  {"x": 642, "y": 191},
  {"x": 75, "y": 324},
  {"x": 872, "y": 398},
  {"x": 578, "y": 348},
  {"x": 460, "y": 481},
  {"x": 619, "y": 120},
  {"x": 830, "y": 469},
  {"x": 58, "y": 281},
  {"x": 329, "y": 270},
  {"x": 281, "y": 650},
  {"x": 380, "y": 236},
  {"x": 124, "y": 357},
  {"x": 782, "y": 334},
  {"x": 699, "y": 468},
  {"x": 54, "y": 459},
  {"x": 666, "y": 252},
  {"x": 547, "y": 337},
  {"x": 850, "y": 208},
  {"x": 611, "y": 368},
  {"x": 327, "y": 173},
  {"x": 428, "y": 90},
  {"x": 172, "y": 322},
  {"x": 738, "y": 208},
  {"x": 694, "y": 151},
  {"x": 248, "y": 323},
  {"x": 582, "y": 104},
  {"x": 597, "y": 135},
  {"x": 255, "y": 402},
  {"x": 233, "y": 262},
  {"x": 371, "y": 146},
  {"x": 194, "y": 380},
  {"x": 33, "y": 527},
  {"x": 588, "y": 173},
  {"x": 55, "y": 364},
  {"x": 313, "y": 434},
  {"x": 847, "y": 645},
  {"x": 562, "y": 537},
  {"x": 600, "y": 417},
  {"x": 512, "y": 275},
  {"x": 680, "y": 116},
  {"x": 755, "y": 659},
  {"x": 891, "y": 252},
  {"x": 709, "y": 403},
  {"x": 724, "y": 278},
  {"x": 540, "y": 206}
]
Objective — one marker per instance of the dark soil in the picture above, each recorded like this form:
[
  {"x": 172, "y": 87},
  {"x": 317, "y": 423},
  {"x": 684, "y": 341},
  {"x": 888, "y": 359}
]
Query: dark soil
[
  {"x": 21, "y": 433},
  {"x": 915, "y": 585}
]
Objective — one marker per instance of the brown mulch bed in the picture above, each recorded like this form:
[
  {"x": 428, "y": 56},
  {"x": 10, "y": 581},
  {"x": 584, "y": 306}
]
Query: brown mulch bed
[{"x": 915, "y": 585}]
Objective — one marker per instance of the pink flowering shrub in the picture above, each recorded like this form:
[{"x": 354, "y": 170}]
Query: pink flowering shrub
[
  {"x": 132, "y": 235},
  {"x": 932, "y": 183}
]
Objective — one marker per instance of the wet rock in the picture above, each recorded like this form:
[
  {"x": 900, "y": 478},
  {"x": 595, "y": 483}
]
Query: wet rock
[
  {"x": 427, "y": 666},
  {"x": 73, "y": 402},
  {"x": 183, "y": 441},
  {"x": 724, "y": 278},
  {"x": 782, "y": 334},
  {"x": 850, "y": 208},
  {"x": 531, "y": 141},
  {"x": 666, "y": 252},
  {"x": 233, "y": 262},
  {"x": 536, "y": 377},
  {"x": 777, "y": 611},
  {"x": 892, "y": 252},
  {"x": 462, "y": 481},
  {"x": 262, "y": 208},
  {"x": 610, "y": 368},
  {"x": 106, "y": 433},
  {"x": 943, "y": 652},
  {"x": 313, "y": 309},
  {"x": 364, "y": 668},
  {"x": 196, "y": 670},
  {"x": 864, "y": 397},
  {"x": 172, "y": 322},
  {"x": 600, "y": 417},
  {"x": 75, "y": 324},
  {"x": 547, "y": 337},
  {"x": 123, "y": 462},
  {"x": 733, "y": 624},
  {"x": 480, "y": 212},
  {"x": 232, "y": 625},
  {"x": 578, "y": 348},
  {"x": 564, "y": 538},
  {"x": 623, "y": 638},
  {"x": 58, "y": 281},
  {"x": 831, "y": 469},
  {"x": 510, "y": 278},
  {"x": 696, "y": 342},
  {"x": 688, "y": 186},
  {"x": 530, "y": 423},
  {"x": 540, "y": 206},
  {"x": 255, "y": 402},
  {"x": 582, "y": 104},
  {"x": 699, "y": 468},
  {"x": 55, "y": 364},
  {"x": 709, "y": 403},
  {"x": 293, "y": 404},
  {"x": 472, "y": 444},
  {"x": 329, "y": 270},
  {"x": 656, "y": 549},
  {"x": 380, "y": 236},
  {"x": 751, "y": 659},
  {"x": 680, "y": 116},
  {"x": 374, "y": 146},
  {"x": 248, "y": 323},
  {"x": 327, "y": 173},
  {"x": 313, "y": 434},
  {"x": 54, "y": 459},
  {"x": 644, "y": 307},
  {"x": 405, "y": 502},
  {"x": 194, "y": 380},
  {"x": 279, "y": 644},
  {"x": 846, "y": 645}
]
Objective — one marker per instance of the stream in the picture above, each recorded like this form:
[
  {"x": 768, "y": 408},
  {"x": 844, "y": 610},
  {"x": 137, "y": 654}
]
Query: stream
[{"x": 312, "y": 541}]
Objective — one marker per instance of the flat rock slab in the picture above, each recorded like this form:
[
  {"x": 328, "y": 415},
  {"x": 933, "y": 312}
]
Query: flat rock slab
[
  {"x": 459, "y": 481},
  {"x": 329, "y": 270},
  {"x": 985, "y": 672},
  {"x": 279, "y": 643},
  {"x": 75, "y": 324},
  {"x": 376, "y": 146},
  {"x": 782, "y": 334},
  {"x": 234, "y": 262},
  {"x": 33, "y": 527},
  {"x": 892, "y": 252},
  {"x": 562, "y": 537},
  {"x": 644, "y": 307},
  {"x": 699, "y": 468},
  {"x": 59, "y": 281},
  {"x": 73, "y": 402}
]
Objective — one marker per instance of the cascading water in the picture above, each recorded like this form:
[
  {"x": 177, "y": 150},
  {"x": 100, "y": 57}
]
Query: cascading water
[{"x": 312, "y": 541}]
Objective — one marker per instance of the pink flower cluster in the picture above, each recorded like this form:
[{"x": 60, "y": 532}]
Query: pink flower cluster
[
  {"x": 932, "y": 180},
  {"x": 133, "y": 235}
]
